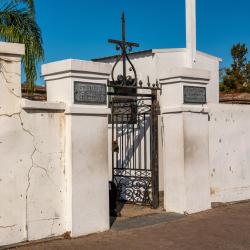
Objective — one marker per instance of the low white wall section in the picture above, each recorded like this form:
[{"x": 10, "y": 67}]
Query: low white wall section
[
  {"x": 229, "y": 147},
  {"x": 32, "y": 175},
  {"x": 54, "y": 158}
]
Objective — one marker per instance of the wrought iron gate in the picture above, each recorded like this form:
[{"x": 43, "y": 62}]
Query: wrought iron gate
[
  {"x": 134, "y": 120},
  {"x": 135, "y": 148}
]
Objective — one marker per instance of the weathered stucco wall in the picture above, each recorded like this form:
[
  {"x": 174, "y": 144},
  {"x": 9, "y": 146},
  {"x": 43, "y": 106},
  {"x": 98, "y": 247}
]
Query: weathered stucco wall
[
  {"x": 229, "y": 147},
  {"x": 46, "y": 176},
  {"x": 32, "y": 177},
  {"x": 51, "y": 153},
  {"x": 32, "y": 174}
]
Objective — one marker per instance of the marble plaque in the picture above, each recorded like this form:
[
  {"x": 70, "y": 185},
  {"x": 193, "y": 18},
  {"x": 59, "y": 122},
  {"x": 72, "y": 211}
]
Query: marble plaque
[
  {"x": 194, "y": 95},
  {"x": 90, "y": 93}
]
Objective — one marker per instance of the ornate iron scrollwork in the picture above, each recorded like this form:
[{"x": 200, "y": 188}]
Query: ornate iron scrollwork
[
  {"x": 125, "y": 48},
  {"x": 125, "y": 80}
]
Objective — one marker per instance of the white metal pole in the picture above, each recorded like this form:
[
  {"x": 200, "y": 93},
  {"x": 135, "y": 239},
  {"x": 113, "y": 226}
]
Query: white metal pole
[{"x": 191, "y": 32}]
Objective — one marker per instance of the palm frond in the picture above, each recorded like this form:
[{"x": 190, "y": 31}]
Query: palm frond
[
  {"x": 19, "y": 26},
  {"x": 30, "y": 4}
]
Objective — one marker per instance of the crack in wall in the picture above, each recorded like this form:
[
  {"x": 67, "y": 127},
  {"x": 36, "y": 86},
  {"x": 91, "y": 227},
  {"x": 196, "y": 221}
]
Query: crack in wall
[
  {"x": 33, "y": 165},
  {"x": 5, "y": 227},
  {"x": 7, "y": 77},
  {"x": 32, "y": 162},
  {"x": 17, "y": 116},
  {"x": 27, "y": 189},
  {"x": 3, "y": 59},
  {"x": 4, "y": 73},
  {"x": 10, "y": 115},
  {"x": 53, "y": 218},
  {"x": 52, "y": 225},
  {"x": 46, "y": 172}
]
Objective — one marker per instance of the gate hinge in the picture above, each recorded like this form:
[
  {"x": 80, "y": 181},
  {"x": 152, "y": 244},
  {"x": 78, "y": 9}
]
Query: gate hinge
[{"x": 157, "y": 108}]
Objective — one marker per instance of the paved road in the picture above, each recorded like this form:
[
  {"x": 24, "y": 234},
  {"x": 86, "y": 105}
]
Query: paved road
[{"x": 221, "y": 228}]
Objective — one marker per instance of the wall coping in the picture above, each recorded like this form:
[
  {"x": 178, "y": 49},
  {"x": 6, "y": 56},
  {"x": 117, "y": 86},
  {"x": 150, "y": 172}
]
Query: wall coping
[
  {"x": 73, "y": 65},
  {"x": 37, "y": 105},
  {"x": 151, "y": 52},
  {"x": 12, "y": 48},
  {"x": 186, "y": 108},
  {"x": 174, "y": 50},
  {"x": 83, "y": 110},
  {"x": 203, "y": 76}
]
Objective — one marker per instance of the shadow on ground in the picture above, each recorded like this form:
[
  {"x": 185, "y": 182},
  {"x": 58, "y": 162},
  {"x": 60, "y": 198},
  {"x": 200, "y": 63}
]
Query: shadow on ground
[{"x": 136, "y": 216}]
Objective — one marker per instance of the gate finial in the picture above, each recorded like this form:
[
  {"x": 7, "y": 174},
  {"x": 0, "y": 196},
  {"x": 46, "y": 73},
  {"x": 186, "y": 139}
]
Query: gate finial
[{"x": 124, "y": 46}]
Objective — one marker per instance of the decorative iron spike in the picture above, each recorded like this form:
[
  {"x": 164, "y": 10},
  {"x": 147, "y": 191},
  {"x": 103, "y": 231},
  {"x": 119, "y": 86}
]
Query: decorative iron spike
[
  {"x": 120, "y": 78},
  {"x": 140, "y": 83},
  {"x": 157, "y": 83},
  {"x": 148, "y": 81}
]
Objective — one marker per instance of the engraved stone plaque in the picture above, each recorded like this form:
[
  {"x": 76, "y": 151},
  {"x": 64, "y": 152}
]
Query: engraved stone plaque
[
  {"x": 194, "y": 95},
  {"x": 90, "y": 93}
]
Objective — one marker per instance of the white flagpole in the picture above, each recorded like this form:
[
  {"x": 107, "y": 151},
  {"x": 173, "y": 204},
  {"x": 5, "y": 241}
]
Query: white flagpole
[{"x": 191, "y": 32}]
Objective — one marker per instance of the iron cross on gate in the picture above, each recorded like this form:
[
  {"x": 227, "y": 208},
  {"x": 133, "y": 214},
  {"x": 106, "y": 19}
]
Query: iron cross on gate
[{"x": 123, "y": 46}]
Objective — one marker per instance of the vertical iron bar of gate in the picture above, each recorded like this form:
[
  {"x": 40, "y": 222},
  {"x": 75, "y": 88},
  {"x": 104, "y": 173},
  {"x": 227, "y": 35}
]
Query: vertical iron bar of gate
[
  {"x": 154, "y": 151},
  {"x": 133, "y": 135},
  {"x": 122, "y": 160},
  {"x": 127, "y": 147},
  {"x": 117, "y": 139},
  {"x": 145, "y": 141},
  {"x": 112, "y": 145}
]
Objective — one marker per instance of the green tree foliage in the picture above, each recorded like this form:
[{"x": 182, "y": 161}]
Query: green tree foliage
[
  {"x": 18, "y": 25},
  {"x": 236, "y": 77}
]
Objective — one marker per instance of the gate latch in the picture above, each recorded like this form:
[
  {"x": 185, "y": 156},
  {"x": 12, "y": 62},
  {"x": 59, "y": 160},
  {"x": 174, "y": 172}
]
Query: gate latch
[{"x": 115, "y": 147}]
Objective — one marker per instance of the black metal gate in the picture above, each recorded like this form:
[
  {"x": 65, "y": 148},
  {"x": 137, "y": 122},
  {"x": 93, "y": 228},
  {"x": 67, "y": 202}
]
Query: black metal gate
[
  {"x": 134, "y": 120},
  {"x": 135, "y": 148}
]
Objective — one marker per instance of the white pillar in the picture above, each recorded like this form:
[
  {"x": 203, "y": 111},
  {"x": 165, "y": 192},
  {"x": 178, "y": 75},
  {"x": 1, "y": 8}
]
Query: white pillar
[
  {"x": 185, "y": 142},
  {"x": 86, "y": 140},
  {"x": 10, "y": 77},
  {"x": 14, "y": 147},
  {"x": 191, "y": 32}
]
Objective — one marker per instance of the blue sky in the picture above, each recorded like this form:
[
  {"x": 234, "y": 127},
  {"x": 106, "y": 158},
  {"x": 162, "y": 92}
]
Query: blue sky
[{"x": 80, "y": 28}]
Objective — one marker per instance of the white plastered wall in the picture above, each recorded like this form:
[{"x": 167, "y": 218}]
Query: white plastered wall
[
  {"x": 32, "y": 174},
  {"x": 167, "y": 59},
  {"x": 39, "y": 142},
  {"x": 229, "y": 152}
]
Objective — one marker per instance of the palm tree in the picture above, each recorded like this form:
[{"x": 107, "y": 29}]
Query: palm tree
[{"x": 18, "y": 25}]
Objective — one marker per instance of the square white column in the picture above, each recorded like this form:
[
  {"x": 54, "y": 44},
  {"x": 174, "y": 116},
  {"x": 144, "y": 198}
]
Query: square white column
[
  {"x": 82, "y": 85},
  {"x": 185, "y": 137}
]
